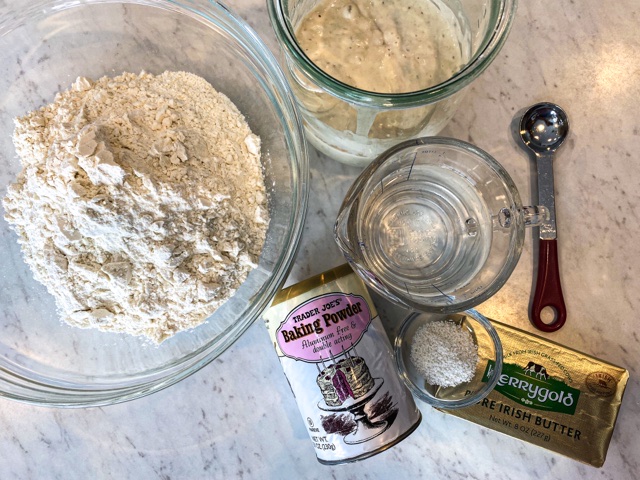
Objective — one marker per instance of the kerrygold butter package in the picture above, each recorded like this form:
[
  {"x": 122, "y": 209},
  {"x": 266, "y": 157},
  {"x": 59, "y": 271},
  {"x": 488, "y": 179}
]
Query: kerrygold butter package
[{"x": 552, "y": 396}]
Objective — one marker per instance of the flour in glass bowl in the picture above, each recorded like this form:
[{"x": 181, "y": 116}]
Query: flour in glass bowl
[{"x": 141, "y": 203}]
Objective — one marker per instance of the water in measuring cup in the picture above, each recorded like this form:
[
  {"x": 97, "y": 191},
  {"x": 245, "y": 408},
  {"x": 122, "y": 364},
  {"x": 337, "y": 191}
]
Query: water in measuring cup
[{"x": 425, "y": 232}]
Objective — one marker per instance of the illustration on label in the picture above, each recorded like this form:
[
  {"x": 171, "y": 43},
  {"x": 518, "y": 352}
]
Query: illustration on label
[
  {"x": 533, "y": 387},
  {"x": 601, "y": 384}
]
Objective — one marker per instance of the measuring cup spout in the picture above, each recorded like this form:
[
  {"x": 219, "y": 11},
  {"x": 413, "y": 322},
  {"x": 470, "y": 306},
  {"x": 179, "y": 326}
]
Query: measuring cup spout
[{"x": 341, "y": 231}]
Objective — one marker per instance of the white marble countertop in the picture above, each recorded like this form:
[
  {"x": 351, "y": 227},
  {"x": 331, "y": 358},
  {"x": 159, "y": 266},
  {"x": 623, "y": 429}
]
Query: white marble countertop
[{"x": 582, "y": 55}]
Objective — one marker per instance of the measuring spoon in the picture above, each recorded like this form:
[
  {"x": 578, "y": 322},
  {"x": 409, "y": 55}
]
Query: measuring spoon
[{"x": 543, "y": 128}]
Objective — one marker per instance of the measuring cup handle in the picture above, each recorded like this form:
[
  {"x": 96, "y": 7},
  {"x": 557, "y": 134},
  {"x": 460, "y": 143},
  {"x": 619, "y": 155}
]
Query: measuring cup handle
[
  {"x": 535, "y": 215},
  {"x": 548, "y": 288}
]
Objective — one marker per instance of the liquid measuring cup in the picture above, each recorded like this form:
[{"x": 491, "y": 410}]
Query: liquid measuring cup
[{"x": 434, "y": 224}]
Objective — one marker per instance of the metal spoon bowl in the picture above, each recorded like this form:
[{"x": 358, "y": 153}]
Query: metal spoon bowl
[{"x": 543, "y": 129}]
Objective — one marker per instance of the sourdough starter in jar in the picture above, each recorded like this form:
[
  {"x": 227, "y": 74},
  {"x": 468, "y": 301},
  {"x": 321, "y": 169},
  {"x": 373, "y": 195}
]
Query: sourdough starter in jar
[{"x": 381, "y": 46}]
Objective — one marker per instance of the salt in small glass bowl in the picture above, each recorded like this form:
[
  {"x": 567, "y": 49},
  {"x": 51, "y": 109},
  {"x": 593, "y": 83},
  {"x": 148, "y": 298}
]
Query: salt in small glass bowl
[{"x": 487, "y": 370}]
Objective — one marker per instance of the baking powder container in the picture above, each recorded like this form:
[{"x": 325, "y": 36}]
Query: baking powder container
[{"x": 340, "y": 366}]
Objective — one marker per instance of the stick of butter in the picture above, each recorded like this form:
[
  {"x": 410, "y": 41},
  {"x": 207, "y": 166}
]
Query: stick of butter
[{"x": 551, "y": 396}]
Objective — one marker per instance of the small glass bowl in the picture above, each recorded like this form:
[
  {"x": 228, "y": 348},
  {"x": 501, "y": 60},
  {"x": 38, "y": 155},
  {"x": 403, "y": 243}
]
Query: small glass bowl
[{"x": 487, "y": 371}]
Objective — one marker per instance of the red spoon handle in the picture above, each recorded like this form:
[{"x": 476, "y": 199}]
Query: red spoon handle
[{"x": 548, "y": 288}]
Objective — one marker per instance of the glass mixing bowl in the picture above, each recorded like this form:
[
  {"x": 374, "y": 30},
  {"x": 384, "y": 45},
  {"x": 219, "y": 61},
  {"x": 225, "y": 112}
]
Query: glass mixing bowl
[{"x": 43, "y": 48}]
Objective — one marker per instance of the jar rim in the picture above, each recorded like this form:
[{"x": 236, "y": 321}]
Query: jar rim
[{"x": 501, "y": 21}]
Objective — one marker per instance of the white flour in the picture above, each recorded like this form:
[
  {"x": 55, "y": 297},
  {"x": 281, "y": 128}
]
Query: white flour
[{"x": 141, "y": 204}]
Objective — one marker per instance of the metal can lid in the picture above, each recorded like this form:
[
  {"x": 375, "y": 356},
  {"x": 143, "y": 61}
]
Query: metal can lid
[{"x": 311, "y": 283}]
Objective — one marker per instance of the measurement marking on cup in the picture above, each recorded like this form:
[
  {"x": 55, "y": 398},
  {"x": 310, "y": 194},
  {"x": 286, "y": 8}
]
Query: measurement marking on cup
[
  {"x": 415, "y": 155},
  {"x": 443, "y": 294},
  {"x": 382, "y": 185}
]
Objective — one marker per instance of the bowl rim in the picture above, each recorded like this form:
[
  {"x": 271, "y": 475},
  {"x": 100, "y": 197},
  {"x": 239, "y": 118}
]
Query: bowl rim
[
  {"x": 400, "y": 344},
  {"x": 16, "y": 386}
]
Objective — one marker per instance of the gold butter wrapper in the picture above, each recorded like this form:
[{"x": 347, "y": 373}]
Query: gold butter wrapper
[{"x": 551, "y": 396}]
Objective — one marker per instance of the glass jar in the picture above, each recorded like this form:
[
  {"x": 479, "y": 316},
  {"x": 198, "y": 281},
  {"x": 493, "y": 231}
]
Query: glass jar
[{"x": 354, "y": 126}]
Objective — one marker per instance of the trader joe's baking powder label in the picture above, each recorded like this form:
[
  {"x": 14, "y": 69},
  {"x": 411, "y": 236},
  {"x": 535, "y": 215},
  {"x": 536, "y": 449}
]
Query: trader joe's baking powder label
[{"x": 339, "y": 363}]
